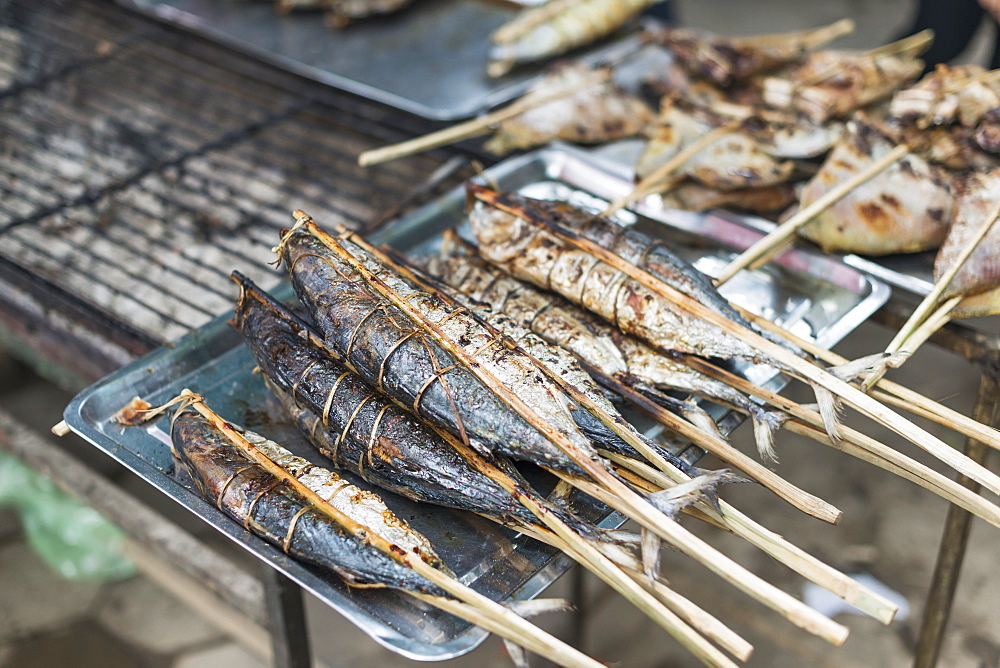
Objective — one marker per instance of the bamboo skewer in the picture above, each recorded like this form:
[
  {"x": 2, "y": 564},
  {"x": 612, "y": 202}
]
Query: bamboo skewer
[
  {"x": 476, "y": 126},
  {"x": 809, "y": 39},
  {"x": 865, "y": 447},
  {"x": 802, "y": 500},
  {"x": 894, "y": 393},
  {"x": 779, "y": 548},
  {"x": 902, "y": 339},
  {"x": 652, "y": 180},
  {"x": 915, "y": 44},
  {"x": 627, "y": 501},
  {"x": 808, "y": 371},
  {"x": 771, "y": 244},
  {"x": 599, "y": 564},
  {"x": 503, "y": 622}
]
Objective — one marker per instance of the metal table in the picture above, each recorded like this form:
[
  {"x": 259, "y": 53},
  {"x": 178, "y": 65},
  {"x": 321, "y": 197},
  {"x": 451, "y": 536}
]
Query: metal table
[{"x": 138, "y": 164}]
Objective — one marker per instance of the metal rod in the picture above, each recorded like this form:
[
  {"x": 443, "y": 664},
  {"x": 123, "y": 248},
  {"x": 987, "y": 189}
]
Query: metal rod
[
  {"x": 287, "y": 620},
  {"x": 955, "y": 538}
]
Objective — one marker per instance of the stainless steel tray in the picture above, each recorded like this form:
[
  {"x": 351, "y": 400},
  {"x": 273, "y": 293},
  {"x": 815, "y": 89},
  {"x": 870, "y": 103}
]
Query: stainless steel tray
[
  {"x": 429, "y": 59},
  {"x": 814, "y": 295}
]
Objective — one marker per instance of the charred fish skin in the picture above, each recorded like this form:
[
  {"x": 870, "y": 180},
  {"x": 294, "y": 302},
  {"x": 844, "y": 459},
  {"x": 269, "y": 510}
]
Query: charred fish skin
[
  {"x": 394, "y": 355},
  {"x": 522, "y": 245},
  {"x": 277, "y": 513},
  {"x": 414, "y": 462},
  {"x": 359, "y": 429}
]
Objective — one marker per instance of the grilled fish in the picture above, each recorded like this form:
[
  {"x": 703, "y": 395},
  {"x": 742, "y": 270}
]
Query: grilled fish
[
  {"x": 362, "y": 431},
  {"x": 604, "y": 348},
  {"x": 904, "y": 209},
  {"x": 283, "y": 517},
  {"x": 976, "y": 197},
  {"x": 392, "y": 353},
  {"x": 599, "y": 113},
  {"x": 555, "y": 28},
  {"x": 733, "y": 161},
  {"x": 504, "y": 225},
  {"x": 833, "y": 84}
]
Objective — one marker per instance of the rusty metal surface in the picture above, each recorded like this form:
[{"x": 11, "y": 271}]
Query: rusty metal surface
[{"x": 140, "y": 166}]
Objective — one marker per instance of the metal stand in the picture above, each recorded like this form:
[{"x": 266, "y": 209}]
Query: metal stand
[
  {"x": 955, "y": 537},
  {"x": 287, "y": 623}
]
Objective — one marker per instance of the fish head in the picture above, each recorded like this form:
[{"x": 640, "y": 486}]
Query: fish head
[{"x": 501, "y": 234}]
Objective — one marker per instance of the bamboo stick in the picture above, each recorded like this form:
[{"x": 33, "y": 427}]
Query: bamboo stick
[
  {"x": 902, "y": 339},
  {"x": 915, "y": 472},
  {"x": 771, "y": 244},
  {"x": 592, "y": 559},
  {"x": 476, "y": 126},
  {"x": 802, "y": 500},
  {"x": 501, "y": 620},
  {"x": 528, "y": 19},
  {"x": 893, "y": 393},
  {"x": 627, "y": 501},
  {"x": 779, "y": 548},
  {"x": 781, "y": 355},
  {"x": 808, "y": 40},
  {"x": 653, "y": 179}
]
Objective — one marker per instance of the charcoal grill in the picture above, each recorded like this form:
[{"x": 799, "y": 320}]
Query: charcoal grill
[{"x": 138, "y": 164}]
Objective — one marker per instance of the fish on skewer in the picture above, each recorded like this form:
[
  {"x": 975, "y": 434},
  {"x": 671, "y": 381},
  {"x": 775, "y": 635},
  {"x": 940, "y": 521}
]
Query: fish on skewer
[
  {"x": 263, "y": 504},
  {"x": 312, "y": 514},
  {"x": 693, "y": 196},
  {"x": 599, "y": 344},
  {"x": 362, "y": 431},
  {"x": 905, "y": 209},
  {"x": 978, "y": 279},
  {"x": 833, "y": 84},
  {"x": 555, "y": 28},
  {"x": 948, "y": 94},
  {"x": 594, "y": 114},
  {"x": 733, "y": 161},
  {"x": 521, "y": 235},
  {"x": 725, "y": 60}
]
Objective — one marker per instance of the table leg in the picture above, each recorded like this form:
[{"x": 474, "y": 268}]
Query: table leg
[
  {"x": 955, "y": 537},
  {"x": 287, "y": 620}
]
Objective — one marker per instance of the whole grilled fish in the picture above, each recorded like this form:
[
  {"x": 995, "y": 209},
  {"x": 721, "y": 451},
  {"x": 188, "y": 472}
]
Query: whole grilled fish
[
  {"x": 555, "y": 28},
  {"x": 509, "y": 237},
  {"x": 594, "y": 114},
  {"x": 619, "y": 355},
  {"x": 282, "y": 516},
  {"x": 361, "y": 430},
  {"x": 392, "y": 353}
]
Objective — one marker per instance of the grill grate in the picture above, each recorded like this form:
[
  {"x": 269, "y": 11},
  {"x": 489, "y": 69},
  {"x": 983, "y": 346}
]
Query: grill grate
[{"x": 140, "y": 165}]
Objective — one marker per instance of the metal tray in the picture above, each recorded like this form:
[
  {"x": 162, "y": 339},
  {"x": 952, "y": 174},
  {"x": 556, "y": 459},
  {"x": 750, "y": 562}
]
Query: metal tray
[
  {"x": 428, "y": 59},
  {"x": 813, "y": 295}
]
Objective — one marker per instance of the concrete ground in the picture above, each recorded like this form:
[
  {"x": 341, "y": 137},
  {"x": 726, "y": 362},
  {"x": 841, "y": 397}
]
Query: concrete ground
[{"x": 890, "y": 528}]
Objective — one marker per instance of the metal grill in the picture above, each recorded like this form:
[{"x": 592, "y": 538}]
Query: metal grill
[{"x": 141, "y": 165}]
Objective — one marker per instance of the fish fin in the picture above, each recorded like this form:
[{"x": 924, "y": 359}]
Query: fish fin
[
  {"x": 518, "y": 655},
  {"x": 538, "y": 606},
  {"x": 829, "y": 409},
  {"x": 700, "y": 418},
  {"x": 766, "y": 423},
  {"x": 619, "y": 555},
  {"x": 560, "y": 493},
  {"x": 650, "y": 555},
  {"x": 704, "y": 487},
  {"x": 867, "y": 365}
]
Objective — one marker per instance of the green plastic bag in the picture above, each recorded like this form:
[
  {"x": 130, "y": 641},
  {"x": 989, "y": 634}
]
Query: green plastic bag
[{"x": 74, "y": 540}]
